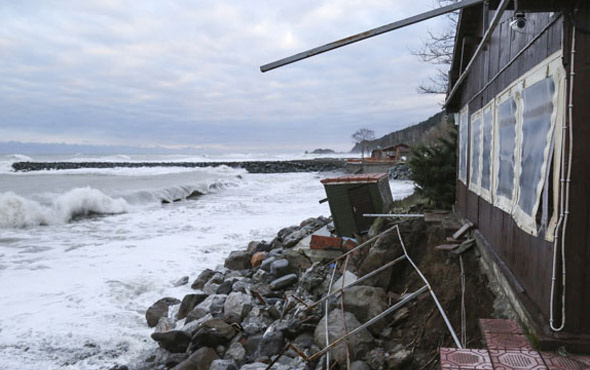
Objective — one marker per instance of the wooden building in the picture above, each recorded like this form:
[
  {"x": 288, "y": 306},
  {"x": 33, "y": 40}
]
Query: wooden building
[{"x": 522, "y": 100}]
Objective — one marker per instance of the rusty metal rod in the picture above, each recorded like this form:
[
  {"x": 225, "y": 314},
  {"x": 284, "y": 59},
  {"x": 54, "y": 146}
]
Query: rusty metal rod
[
  {"x": 359, "y": 280},
  {"x": 372, "y": 321},
  {"x": 370, "y": 33},
  {"x": 362, "y": 245}
]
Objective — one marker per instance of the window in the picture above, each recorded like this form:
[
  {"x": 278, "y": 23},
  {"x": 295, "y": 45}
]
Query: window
[
  {"x": 463, "y": 135},
  {"x": 505, "y": 152},
  {"x": 486, "y": 151},
  {"x": 475, "y": 152}
]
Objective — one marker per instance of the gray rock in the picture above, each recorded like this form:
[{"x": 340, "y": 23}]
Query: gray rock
[
  {"x": 256, "y": 322},
  {"x": 237, "y": 306},
  {"x": 203, "y": 277},
  {"x": 182, "y": 281},
  {"x": 175, "y": 341},
  {"x": 188, "y": 303},
  {"x": 200, "y": 360},
  {"x": 236, "y": 352},
  {"x": 376, "y": 358},
  {"x": 213, "y": 333},
  {"x": 213, "y": 304},
  {"x": 366, "y": 302},
  {"x": 298, "y": 260},
  {"x": 347, "y": 278},
  {"x": 283, "y": 282},
  {"x": 304, "y": 341},
  {"x": 165, "y": 324},
  {"x": 260, "y": 275},
  {"x": 226, "y": 286},
  {"x": 159, "y": 309},
  {"x": 359, "y": 343},
  {"x": 279, "y": 267},
  {"x": 238, "y": 260},
  {"x": 398, "y": 358},
  {"x": 272, "y": 342},
  {"x": 191, "y": 327},
  {"x": 265, "y": 265},
  {"x": 385, "y": 249},
  {"x": 251, "y": 344},
  {"x": 242, "y": 285},
  {"x": 292, "y": 239},
  {"x": 223, "y": 365}
]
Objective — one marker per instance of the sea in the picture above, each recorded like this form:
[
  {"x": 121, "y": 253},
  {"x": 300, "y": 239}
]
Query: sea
[{"x": 84, "y": 253}]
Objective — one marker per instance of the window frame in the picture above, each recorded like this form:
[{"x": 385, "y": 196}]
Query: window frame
[
  {"x": 486, "y": 194},
  {"x": 475, "y": 117},
  {"x": 463, "y": 161}
]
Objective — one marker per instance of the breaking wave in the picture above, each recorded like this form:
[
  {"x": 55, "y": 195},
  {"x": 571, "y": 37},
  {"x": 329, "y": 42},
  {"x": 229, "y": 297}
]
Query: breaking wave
[{"x": 18, "y": 212}]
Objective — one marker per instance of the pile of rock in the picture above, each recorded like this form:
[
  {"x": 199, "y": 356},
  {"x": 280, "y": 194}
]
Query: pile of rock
[
  {"x": 400, "y": 171},
  {"x": 242, "y": 316}
]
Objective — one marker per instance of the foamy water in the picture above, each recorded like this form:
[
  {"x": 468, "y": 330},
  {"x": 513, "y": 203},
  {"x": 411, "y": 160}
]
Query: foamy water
[{"x": 74, "y": 290}]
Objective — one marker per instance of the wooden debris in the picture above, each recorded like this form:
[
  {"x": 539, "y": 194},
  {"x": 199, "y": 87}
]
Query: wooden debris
[
  {"x": 465, "y": 228},
  {"x": 464, "y": 246},
  {"x": 446, "y": 247}
]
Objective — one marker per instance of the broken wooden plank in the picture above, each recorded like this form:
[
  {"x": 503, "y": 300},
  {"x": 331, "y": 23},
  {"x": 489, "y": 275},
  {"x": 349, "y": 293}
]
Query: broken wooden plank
[
  {"x": 446, "y": 247},
  {"x": 464, "y": 246},
  {"x": 465, "y": 228}
]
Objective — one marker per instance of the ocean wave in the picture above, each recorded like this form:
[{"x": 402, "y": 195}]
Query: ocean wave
[{"x": 19, "y": 212}]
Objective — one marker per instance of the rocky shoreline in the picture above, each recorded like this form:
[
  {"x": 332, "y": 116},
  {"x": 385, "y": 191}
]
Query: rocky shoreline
[
  {"x": 311, "y": 165},
  {"x": 245, "y": 314}
]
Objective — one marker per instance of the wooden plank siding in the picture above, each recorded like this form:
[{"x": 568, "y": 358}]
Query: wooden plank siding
[{"x": 529, "y": 258}]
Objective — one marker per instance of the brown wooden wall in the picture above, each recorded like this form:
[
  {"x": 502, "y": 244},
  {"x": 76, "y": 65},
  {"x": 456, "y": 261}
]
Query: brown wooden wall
[{"x": 529, "y": 259}]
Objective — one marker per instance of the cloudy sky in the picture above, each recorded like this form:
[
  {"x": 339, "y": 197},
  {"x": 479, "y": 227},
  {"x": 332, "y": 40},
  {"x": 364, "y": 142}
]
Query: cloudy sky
[{"x": 186, "y": 73}]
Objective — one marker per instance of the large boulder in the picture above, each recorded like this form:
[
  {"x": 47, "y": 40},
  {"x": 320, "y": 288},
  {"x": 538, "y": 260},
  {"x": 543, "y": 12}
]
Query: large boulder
[
  {"x": 200, "y": 360},
  {"x": 238, "y": 260},
  {"x": 188, "y": 303},
  {"x": 176, "y": 341},
  {"x": 213, "y": 333},
  {"x": 385, "y": 250},
  {"x": 359, "y": 343},
  {"x": 203, "y": 277},
  {"x": 237, "y": 306},
  {"x": 366, "y": 302},
  {"x": 213, "y": 304},
  {"x": 158, "y": 310}
]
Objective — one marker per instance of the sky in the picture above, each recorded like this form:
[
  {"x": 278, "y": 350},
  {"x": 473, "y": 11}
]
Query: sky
[{"x": 186, "y": 73}]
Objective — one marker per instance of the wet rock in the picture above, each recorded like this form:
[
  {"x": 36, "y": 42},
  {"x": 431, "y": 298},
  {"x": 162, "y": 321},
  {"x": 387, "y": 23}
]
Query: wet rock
[
  {"x": 159, "y": 309},
  {"x": 265, "y": 265},
  {"x": 256, "y": 247},
  {"x": 213, "y": 304},
  {"x": 237, "y": 306},
  {"x": 182, "y": 281},
  {"x": 200, "y": 360},
  {"x": 279, "y": 267},
  {"x": 213, "y": 333},
  {"x": 223, "y": 365},
  {"x": 366, "y": 302},
  {"x": 188, "y": 303},
  {"x": 257, "y": 259},
  {"x": 165, "y": 324},
  {"x": 359, "y": 343},
  {"x": 236, "y": 352},
  {"x": 238, "y": 260},
  {"x": 175, "y": 341},
  {"x": 203, "y": 277},
  {"x": 226, "y": 286},
  {"x": 283, "y": 282}
]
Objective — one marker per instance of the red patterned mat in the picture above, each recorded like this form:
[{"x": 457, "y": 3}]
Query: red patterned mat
[
  {"x": 507, "y": 341},
  {"x": 516, "y": 360},
  {"x": 557, "y": 362},
  {"x": 500, "y": 326},
  {"x": 454, "y": 358}
]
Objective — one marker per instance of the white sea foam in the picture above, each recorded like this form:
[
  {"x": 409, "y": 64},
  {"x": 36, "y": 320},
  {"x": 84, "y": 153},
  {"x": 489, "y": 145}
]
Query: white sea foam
[{"x": 16, "y": 211}]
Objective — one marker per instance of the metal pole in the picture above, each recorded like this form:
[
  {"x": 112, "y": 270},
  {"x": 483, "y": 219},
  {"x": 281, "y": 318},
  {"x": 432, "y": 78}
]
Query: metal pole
[
  {"x": 372, "y": 321},
  {"x": 503, "y": 5},
  {"x": 370, "y": 33},
  {"x": 358, "y": 281}
]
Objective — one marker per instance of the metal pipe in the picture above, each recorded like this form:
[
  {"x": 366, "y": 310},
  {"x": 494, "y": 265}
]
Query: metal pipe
[
  {"x": 392, "y": 215},
  {"x": 372, "y": 321},
  {"x": 370, "y": 33},
  {"x": 479, "y": 49},
  {"x": 362, "y": 245},
  {"x": 358, "y": 281},
  {"x": 326, "y": 318},
  {"x": 442, "y": 312},
  {"x": 564, "y": 206},
  {"x": 342, "y": 311}
]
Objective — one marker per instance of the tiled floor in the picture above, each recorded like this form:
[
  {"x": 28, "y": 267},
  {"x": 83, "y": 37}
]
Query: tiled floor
[{"x": 508, "y": 349}]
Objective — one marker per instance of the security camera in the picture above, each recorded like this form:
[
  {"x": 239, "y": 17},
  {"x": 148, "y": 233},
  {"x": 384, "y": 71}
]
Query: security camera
[{"x": 518, "y": 21}]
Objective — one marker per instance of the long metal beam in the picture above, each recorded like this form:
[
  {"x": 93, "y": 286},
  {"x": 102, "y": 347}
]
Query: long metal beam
[{"x": 370, "y": 33}]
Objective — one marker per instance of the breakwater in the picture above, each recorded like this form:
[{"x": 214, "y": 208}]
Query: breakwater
[{"x": 311, "y": 165}]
